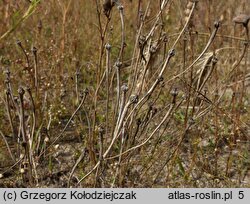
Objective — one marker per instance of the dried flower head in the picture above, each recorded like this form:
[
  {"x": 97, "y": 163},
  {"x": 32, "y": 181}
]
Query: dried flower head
[{"x": 242, "y": 19}]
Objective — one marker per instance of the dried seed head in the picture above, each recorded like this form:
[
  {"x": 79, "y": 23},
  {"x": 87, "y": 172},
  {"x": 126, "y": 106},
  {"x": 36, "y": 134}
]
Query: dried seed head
[
  {"x": 86, "y": 91},
  {"x": 118, "y": 64},
  {"x": 101, "y": 129},
  {"x": 18, "y": 42},
  {"x": 120, "y": 7},
  {"x": 124, "y": 88},
  {"x": 134, "y": 98},
  {"x": 21, "y": 91},
  {"x": 153, "y": 49},
  {"x": 214, "y": 60},
  {"x": 108, "y": 47},
  {"x": 246, "y": 43},
  {"x": 40, "y": 25},
  {"x": 165, "y": 37},
  {"x": 34, "y": 50},
  {"x": 171, "y": 52},
  {"x": 1, "y": 176},
  {"x": 191, "y": 121},
  {"x": 242, "y": 19},
  {"x": 7, "y": 91},
  {"x": 138, "y": 121},
  {"x": 216, "y": 24},
  {"x": 142, "y": 40},
  {"x": 107, "y": 7},
  {"x": 160, "y": 79},
  {"x": 174, "y": 93}
]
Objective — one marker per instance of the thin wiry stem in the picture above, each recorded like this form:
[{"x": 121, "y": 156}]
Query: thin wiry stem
[
  {"x": 7, "y": 145},
  {"x": 67, "y": 124},
  {"x": 211, "y": 39}
]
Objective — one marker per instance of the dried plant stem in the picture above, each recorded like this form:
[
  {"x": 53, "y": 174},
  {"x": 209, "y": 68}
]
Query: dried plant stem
[
  {"x": 199, "y": 57},
  {"x": 167, "y": 115},
  {"x": 67, "y": 124},
  {"x": 173, "y": 152},
  {"x": 25, "y": 54},
  {"x": 7, "y": 145},
  {"x": 34, "y": 50},
  {"x": 34, "y": 119},
  {"x": 185, "y": 26},
  {"x": 14, "y": 131},
  {"x": 26, "y": 138},
  {"x": 108, "y": 51},
  {"x": 75, "y": 166},
  {"x": 123, "y": 43},
  {"x": 136, "y": 54}
]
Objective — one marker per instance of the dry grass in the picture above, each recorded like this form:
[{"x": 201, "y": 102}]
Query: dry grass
[{"x": 135, "y": 94}]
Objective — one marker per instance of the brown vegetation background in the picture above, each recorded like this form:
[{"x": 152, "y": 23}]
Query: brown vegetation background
[{"x": 85, "y": 102}]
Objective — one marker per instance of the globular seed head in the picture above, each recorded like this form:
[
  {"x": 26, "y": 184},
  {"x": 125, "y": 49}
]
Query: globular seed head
[
  {"x": 191, "y": 121},
  {"x": 34, "y": 50},
  {"x": 153, "y": 49},
  {"x": 138, "y": 121},
  {"x": 246, "y": 43},
  {"x": 7, "y": 91},
  {"x": 107, "y": 6},
  {"x": 40, "y": 25},
  {"x": 134, "y": 98},
  {"x": 160, "y": 79},
  {"x": 171, "y": 52},
  {"x": 214, "y": 60},
  {"x": 124, "y": 88},
  {"x": 20, "y": 91},
  {"x": 142, "y": 40},
  {"x": 108, "y": 47},
  {"x": 174, "y": 92},
  {"x": 165, "y": 37},
  {"x": 101, "y": 129},
  {"x": 86, "y": 91},
  {"x": 18, "y": 42},
  {"x": 120, "y": 7},
  {"x": 118, "y": 64},
  {"x": 216, "y": 24}
]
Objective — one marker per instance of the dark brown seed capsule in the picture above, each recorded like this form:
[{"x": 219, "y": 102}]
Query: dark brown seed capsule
[
  {"x": 107, "y": 6},
  {"x": 242, "y": 19}
]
